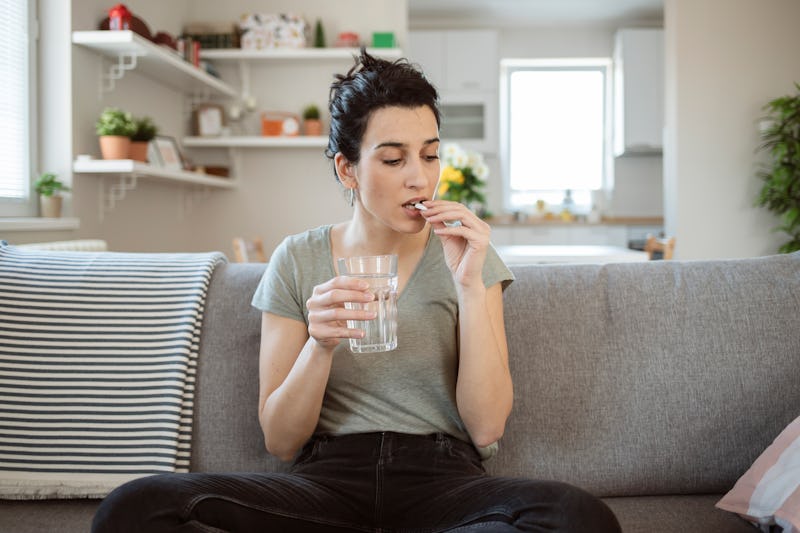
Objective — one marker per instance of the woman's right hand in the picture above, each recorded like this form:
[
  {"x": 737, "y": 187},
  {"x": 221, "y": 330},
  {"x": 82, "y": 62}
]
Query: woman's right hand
[{"x": 327, "y": 316}]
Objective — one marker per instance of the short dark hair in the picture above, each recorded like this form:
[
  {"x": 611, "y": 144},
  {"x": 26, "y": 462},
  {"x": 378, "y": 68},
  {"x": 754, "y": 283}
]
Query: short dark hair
[{"x": 371, "y": 84}]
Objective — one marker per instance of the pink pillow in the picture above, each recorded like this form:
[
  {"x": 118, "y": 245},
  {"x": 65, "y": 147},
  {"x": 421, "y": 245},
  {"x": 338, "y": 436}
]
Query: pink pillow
[{"x": 769, "y": 492}]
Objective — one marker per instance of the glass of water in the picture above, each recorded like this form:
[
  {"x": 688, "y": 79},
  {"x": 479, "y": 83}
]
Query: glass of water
[{"x": 380, "y": 271}]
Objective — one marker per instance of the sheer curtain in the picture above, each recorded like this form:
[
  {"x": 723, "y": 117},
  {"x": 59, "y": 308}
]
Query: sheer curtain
[{"x": 17, "y": 100}]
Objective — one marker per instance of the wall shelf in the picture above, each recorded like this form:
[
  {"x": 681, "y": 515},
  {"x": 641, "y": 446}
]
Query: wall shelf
[
  {"x": 131, "y": 51},
  {"x": 256, "y": 141},
  {"x": 128, "y": 173},
  {"x": 129, "y": 166},
  {"x": 233, "y": 54}
]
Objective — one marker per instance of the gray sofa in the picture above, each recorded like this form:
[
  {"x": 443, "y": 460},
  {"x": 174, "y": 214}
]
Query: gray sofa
[{"x": 654, "y": 385}]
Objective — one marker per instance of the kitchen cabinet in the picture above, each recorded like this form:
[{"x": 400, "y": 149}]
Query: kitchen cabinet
[
  {"x": 457, "y": 60},
  {"x": 638, "y": 91},
  {"x": 464, "y": 67}
]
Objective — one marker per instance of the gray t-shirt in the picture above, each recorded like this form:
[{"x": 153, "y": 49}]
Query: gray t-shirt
[{"x": 411, "y": 389}]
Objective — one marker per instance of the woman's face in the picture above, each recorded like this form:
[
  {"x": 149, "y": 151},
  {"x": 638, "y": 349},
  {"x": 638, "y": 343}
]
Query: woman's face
[{"x": 399, "y": 166}]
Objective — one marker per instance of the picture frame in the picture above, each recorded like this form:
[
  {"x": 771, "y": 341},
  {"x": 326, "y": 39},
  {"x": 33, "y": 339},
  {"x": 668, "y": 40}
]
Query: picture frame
[
  {"x": 168, "y": 153},
  {"x": 209, "y": 120}
]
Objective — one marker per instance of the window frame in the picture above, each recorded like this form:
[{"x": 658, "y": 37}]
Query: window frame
[
  {"x": 27, "y": 207},
  {"x": 507, "y": 67}
]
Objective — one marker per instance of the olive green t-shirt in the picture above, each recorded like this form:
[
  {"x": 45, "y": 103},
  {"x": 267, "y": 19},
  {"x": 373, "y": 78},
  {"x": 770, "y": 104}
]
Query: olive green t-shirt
[{"x": 411, "y": 389}]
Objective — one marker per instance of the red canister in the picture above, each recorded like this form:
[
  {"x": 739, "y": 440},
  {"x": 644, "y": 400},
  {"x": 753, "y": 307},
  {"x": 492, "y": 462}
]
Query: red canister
[{"x": 119, "y": 18}]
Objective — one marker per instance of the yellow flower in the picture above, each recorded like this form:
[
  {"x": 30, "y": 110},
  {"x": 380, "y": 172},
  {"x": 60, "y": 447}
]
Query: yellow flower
[
  {"x": 451, "y": 175},
  {"x": 448, "y": 177}
]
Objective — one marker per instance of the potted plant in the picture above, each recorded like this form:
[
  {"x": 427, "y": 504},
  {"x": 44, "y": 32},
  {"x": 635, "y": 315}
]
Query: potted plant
[
  {"x": 312, "y": 125},
  {"x": 115, "y": 127},
  {"x": 780, "y": 192},
  {"x": 145, "y": 132},
  {"x": 49, "y": 187}
]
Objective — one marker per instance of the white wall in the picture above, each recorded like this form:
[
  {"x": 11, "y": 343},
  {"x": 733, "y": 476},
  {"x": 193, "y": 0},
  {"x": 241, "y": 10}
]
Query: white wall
[{"x": 725, "y": 59}]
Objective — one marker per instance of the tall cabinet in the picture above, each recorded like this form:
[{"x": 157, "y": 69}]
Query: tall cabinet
[
  {"x": 638, "y": 91},
  {"x": 464, "y": 67}
]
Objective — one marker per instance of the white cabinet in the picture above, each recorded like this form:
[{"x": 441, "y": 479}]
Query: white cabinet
[
  {"x": 464, "y": 67},
  {"x": 457, "y": 60},
  {"x": 638, "y": 91}
]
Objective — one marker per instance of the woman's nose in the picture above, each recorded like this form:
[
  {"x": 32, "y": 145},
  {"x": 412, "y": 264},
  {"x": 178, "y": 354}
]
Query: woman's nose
[{"x": 417, "y": 177}]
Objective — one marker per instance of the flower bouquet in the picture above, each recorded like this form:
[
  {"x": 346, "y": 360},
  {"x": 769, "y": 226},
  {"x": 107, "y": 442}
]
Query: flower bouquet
[{"x": 463, "y": 177}]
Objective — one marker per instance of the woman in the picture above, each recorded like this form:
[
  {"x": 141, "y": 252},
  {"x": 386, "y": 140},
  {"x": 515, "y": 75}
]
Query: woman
[{"x": 389, "y": 441}]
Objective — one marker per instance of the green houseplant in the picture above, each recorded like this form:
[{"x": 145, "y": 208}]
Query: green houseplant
[
  {"x": 49, "y": 187},
  {"x": 145, "y": 131},
  {"x": 114, "y": 128},
  {"x": 780, "y": 192},
  {"x": 312, "y": 125}
]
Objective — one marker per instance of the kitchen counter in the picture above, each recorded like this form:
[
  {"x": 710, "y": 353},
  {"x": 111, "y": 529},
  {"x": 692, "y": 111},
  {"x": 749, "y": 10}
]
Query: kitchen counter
[
  {"x": 509, "y": 220},
  {"x": 537, "y": 254}
]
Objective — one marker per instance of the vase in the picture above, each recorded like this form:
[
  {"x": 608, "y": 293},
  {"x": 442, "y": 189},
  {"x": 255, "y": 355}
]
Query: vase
[
  {"x": 115, "y": 146},
  {"x": 138, "y": 151},
  {"x": 50, "y": 206}
]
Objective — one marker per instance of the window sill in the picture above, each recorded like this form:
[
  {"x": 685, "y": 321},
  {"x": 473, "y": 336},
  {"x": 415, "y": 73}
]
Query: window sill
[{"x": 39, "y": 224}]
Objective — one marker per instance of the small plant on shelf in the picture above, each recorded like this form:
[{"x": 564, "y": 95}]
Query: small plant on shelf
[
  {"x": 312, "y": 125},
  {"x": 115, "y": 122},
  {"x": 311, "y": 112},
  {"x": 780, "y": 192},
  {"x": 49, "y": 187},
  {"x": 48, "y": 184},
  {"x": 115, "y": 127},
  {"x": 146, "y": 129},
  {"x": 145, "y": 132}
]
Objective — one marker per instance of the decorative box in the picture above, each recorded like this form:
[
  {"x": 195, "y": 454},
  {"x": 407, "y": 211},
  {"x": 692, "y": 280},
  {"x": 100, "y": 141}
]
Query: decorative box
[
  {"x": 279, "y": 123},
  {"x": 260, "y": 30},
  {"x": 383, "y": 39}
]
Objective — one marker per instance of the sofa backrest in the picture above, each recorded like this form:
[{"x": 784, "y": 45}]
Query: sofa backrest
[
  {"x": 664, "y": 377},
  {"x": 649, "y": 378}
]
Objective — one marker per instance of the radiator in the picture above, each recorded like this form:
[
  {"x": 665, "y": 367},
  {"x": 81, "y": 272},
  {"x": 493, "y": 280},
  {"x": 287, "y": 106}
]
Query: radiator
[{"x": 84, "y": 245}]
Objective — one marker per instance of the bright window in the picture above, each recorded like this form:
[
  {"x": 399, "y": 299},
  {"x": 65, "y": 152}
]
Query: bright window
[
  {"x": 556, "y": 130},
  {"x": 16, "y": 106}
]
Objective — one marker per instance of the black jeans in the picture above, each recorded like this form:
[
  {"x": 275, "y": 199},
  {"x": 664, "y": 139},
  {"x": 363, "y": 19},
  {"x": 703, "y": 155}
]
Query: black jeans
[{"x": 366, "y": 482}]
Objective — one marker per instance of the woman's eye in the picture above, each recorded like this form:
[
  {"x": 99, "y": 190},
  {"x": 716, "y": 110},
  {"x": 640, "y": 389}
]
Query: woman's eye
[
  {"x": 433, "y": 157},
  {"x": 392, "y": 162}
]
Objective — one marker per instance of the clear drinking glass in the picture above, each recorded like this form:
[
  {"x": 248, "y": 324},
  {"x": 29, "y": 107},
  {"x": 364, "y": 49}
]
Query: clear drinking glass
[{"x": 380, "y": 271}]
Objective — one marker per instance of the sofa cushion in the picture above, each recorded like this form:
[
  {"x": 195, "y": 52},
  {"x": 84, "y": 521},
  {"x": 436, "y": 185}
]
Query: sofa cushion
[
  {"x": 664, "y": 377},
  {"x": 675, "y": 514}
]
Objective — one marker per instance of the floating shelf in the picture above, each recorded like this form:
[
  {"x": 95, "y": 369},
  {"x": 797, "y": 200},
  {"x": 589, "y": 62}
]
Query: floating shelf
[
  {"x": 296, "y": 53},
  {"x": 255, "y": 141},
  {"x": 128, "y": 173},
  {"x": 131, "y": 51},
  {"x": 129, "y": 166}
]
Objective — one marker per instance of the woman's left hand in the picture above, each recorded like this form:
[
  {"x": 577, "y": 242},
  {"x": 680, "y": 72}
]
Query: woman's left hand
[{"x": 465, "y": 243}]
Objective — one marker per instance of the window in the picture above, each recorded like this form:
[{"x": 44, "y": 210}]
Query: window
[
  {"x": 17, "y": 101},
  {"x": 556, "y": 130}
]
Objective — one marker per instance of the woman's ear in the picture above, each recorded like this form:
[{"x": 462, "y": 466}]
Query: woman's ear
[{"x": 345, "y": 170}]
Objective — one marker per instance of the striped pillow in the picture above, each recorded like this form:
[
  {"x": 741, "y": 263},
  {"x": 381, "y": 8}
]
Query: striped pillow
[
  {"x": 769, "y": 492},
  {"x": 98, "y": 355}
]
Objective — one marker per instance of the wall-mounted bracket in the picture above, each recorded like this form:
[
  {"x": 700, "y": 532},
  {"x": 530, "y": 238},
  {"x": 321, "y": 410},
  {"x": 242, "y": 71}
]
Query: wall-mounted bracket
[
  {"x": 109, "y": 196},
  {"x": 116, "y": 71}
]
